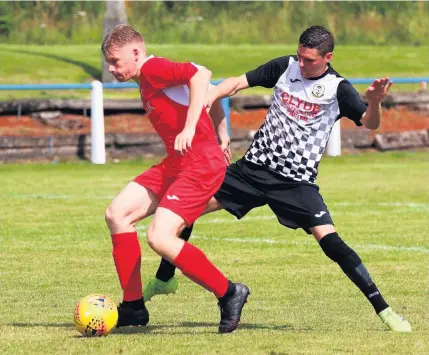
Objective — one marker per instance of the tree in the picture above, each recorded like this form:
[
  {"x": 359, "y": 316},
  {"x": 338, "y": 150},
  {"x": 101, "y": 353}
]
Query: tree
[{"x": 115, "y": 15}]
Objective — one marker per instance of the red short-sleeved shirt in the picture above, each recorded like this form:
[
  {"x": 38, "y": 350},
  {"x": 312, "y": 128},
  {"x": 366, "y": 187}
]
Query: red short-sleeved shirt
[{"x": 164, "y": 89}]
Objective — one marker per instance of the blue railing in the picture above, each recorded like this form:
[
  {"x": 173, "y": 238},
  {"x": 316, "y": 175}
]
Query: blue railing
[
  {"x": 74, "y": 86},
  {"x": 393, "y": 80},
  {"x": 46, "y": 87},
  {"x": 134, "y": 85},
  {"x": 225, "y": 102}
]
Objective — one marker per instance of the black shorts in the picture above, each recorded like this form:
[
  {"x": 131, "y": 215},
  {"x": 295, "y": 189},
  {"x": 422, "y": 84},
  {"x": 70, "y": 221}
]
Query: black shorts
[{"x": 296, "y": 204}]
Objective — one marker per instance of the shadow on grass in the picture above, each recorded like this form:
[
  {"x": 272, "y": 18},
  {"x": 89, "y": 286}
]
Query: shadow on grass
[
  {"x": 89, "y": 69},
  {"x": 169, "y": 328},
  {"x": 211, "y": 327}
]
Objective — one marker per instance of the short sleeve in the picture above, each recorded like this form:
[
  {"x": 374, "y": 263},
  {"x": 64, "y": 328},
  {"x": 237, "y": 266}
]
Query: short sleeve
[
  {"x": 162, "y": 73},
  {"x": 269, "y": 73},
  {"x": 350, "y": 103}
]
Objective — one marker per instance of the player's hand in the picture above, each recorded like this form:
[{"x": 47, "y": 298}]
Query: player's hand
[
  {"x": 208, "y": 104},
  {"x": 183, "y": 140},
  {"x": 378, "y": 90},
  {"x": 225, "y": 145}
]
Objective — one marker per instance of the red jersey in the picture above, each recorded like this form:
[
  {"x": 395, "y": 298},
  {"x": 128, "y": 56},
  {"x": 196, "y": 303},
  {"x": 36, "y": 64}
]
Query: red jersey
[{"x": 164, "y": 90}]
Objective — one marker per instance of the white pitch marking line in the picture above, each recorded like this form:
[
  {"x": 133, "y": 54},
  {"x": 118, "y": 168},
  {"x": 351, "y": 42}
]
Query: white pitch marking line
[
  {"x": 232, "y": 219},
  {"x": 293, "y": 242},
  {"x": 63, "y": 197},
  {"x": 304, "y": 242},
  {"x": 344, "y": 203}
]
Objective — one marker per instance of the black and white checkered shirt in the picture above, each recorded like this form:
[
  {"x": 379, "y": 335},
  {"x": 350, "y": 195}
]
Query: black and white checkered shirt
[{"x": 295, "y": 132}]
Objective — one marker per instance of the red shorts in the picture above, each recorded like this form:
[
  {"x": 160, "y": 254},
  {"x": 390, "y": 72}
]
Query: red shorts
[{"x": 185, "y": 185}]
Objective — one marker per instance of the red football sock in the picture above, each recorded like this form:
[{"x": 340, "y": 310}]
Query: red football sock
[
  {"x": 194, "y": 264},
  {"x": 127, "y": 256}
]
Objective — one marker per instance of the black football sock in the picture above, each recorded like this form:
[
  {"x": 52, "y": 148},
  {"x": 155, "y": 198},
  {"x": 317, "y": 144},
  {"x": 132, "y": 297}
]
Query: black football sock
[
  {"x": 166, "y": 269},
  {"x": 352, "y": 265},
  {"x": 360, "y": 277}
]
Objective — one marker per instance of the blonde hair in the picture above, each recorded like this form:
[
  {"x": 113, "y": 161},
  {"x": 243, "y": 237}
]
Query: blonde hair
[{"x": 119, "y": 36}]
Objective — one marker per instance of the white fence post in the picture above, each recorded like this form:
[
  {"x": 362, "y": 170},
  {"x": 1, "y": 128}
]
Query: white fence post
[
  {"x": 98, "y": 149},
  {"x": 334, "y": 144}
]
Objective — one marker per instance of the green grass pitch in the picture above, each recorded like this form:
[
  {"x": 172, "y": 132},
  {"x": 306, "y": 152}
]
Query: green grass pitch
[{"x": 55, "y": 249}]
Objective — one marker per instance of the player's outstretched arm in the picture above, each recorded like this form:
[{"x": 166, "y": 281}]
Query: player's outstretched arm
[
  {"x": 228, "y": 87},
  {"x": 374, "y": 94},
  {"x": 198, "y": 88},
  {"x": 218, "y": 117}
]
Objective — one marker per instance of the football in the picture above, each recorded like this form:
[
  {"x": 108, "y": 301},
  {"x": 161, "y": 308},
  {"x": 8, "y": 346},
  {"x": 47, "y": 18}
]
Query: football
[{"x": 95, "y": 315}]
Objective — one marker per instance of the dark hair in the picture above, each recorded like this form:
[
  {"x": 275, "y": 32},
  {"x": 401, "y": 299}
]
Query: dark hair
[
  {"x": 317, "y": 37},
  {"x": 119, "y": 36}
]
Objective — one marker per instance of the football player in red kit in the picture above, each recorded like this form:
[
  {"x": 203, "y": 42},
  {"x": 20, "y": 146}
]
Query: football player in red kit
[{"x": 177, "y": 190}]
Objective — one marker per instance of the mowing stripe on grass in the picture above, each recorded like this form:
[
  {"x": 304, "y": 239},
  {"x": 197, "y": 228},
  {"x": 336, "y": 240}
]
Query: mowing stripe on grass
[
  {"x": 294, "y": 242},
  {"x": 418, "y": 249},
  {"x": 61, "y": 197},
  {"x": 342, "y": 204}
]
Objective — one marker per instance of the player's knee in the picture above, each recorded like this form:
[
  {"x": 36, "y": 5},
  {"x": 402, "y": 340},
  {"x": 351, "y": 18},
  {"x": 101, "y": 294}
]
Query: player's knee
[
  {"x": 338, "y": 251},
  {"x": 154, "y": 239},
  {"x": 108, "y": 216},
  {"x": 114, "y": 217},
  {"x": 159, "y": 239}
]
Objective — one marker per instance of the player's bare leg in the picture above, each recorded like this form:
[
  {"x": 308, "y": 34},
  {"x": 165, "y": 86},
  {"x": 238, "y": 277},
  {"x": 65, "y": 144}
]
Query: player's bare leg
[
  {"x": 163, "y": 238},
  {"x": 213, "y": 206},
  {"x": 132, "y": 204},
  {"x": 165, "y": 282},
  {"x": 351, "y": 264}
]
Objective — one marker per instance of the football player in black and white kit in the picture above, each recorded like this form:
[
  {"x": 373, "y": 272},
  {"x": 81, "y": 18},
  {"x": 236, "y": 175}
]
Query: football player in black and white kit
[{"x": 280, "y": 167}]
